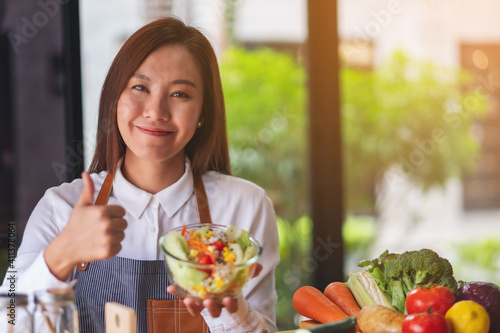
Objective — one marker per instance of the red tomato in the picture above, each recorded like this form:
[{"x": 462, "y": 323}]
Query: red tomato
[
  {"x": 426, "y": 322},
  {"x": 218, "y": 245},
  {"x": 205, "y": 259},
  {"x": 421, "y": 299}
]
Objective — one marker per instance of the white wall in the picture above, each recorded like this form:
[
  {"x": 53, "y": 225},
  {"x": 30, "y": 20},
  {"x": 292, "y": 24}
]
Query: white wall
[{"x": 271, "y": 21}]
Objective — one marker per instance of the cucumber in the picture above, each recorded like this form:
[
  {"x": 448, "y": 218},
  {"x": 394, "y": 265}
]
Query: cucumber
[
  {"x": 201, "y": 232},
  {"x": 347, "y": 325},
  {"x": 232, "y": 233},
  {"x": 185, "y": 276},
  {"x": 250, "y": 252},
  {"x": 244, "y": 240},
  {"x": 176, "y": 245}
]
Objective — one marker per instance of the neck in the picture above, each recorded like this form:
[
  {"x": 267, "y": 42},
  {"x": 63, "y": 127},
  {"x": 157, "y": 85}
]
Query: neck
[{"x": 152, "y": 176}]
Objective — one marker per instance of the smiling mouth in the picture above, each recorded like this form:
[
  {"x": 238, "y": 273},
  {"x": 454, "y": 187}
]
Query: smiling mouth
[{"x": 154, "y": 131}]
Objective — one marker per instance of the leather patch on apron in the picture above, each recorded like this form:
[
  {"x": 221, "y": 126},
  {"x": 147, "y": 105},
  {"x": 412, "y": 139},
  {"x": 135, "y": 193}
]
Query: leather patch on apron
[{"x": 172, "y": 316}]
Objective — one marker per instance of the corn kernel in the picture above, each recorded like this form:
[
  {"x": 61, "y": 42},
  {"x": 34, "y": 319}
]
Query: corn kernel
[
  {"x": 219, "y": 282},
  {"x": 202, "y": 294}
]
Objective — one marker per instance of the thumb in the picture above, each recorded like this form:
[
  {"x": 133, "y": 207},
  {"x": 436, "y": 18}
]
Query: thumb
[{"x": 87, "y": 195}]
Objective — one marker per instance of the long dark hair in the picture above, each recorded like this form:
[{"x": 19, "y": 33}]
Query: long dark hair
[{"x": 208, "y": 149}]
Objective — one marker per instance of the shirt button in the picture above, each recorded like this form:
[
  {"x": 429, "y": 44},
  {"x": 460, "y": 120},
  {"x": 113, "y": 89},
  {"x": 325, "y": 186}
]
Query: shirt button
[{"x": 151, "y": 230}]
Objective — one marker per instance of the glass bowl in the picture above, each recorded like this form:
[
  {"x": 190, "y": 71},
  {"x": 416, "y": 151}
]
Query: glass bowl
[{"x": 227, "y": 276}]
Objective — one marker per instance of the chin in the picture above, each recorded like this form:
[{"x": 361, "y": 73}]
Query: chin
[{"x": 160, "y": 158}]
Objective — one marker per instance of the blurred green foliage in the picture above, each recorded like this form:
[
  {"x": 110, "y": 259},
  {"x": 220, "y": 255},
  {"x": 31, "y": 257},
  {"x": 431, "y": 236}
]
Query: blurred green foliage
[
  {"x": 357, "y": 233},
  {"x": 295, "y": 268},
  {"x": 480, "y": 258},
  {"x": 410, "y": 113},
  {"x": 265, "y": 99}
]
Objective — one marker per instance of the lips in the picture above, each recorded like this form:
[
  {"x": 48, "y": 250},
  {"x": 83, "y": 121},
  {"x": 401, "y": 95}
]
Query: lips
[{"x": 154, "y": 131}]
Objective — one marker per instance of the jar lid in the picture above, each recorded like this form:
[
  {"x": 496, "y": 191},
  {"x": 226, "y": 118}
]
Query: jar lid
[
  {"x": 13, "y": 298},
  {"x": 54, "y": 295}
]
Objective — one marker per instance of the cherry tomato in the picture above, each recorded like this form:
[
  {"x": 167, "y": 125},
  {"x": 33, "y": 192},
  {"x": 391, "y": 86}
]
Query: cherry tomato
[
  {"x": 426, "y": 322},
  {"x": 205, "y": 259},
  {"x": 218, "y": 245},
  {"x": 434, "y": 298}
]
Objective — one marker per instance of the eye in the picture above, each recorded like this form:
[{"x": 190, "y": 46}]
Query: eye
[
  {"x": 180, "y": 94},
  {"x": 140, "y": 87}
]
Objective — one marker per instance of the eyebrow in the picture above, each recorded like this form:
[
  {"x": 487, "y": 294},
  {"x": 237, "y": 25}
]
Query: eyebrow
[
  {"x": 186, "y": 82},
  {"x": 141, "y": 76},
  {"x": 179, "y": 81}
]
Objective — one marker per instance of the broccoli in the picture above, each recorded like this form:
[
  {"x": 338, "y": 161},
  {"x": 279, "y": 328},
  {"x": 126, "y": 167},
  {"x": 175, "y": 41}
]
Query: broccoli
[{"x": 414, "y": 268}]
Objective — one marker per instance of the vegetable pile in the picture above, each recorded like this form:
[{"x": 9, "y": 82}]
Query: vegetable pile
[
  {"x": 411, "y": 292},
  {"x": 396, "y": 275}
]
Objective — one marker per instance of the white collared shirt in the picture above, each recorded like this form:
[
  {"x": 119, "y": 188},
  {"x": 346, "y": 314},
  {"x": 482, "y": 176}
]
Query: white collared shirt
[{"x": 231, "y": 200}]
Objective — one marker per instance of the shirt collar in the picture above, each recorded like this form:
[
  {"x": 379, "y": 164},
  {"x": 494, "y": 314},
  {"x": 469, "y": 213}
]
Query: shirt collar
[{"x": 171, "y": 198}]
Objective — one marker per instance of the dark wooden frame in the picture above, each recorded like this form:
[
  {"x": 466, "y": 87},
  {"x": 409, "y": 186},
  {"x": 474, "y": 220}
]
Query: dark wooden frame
[{"x": 325, "y": 143}]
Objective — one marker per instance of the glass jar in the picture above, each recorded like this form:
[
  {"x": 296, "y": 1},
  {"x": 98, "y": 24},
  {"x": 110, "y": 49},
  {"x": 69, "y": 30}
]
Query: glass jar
[
  {"x": 14, "y": 314},
  {"x": 55, "y": 311}
]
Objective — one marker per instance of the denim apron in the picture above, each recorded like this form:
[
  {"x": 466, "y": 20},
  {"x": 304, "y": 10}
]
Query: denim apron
[{"x": 139, "y": 284}]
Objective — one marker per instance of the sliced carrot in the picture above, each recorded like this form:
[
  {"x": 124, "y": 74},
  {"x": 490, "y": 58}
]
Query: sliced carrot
[
  {"x": 197, "y": 244},
  {"x": 312, "y": 303},
  {"x": 183, "y": 231},
  {"x": 340, "y": 294},
  {"x": 212, "y": 256}
]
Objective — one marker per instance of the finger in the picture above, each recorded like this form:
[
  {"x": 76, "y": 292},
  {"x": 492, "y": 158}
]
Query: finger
[
  {"x": 193, "y": 307},
  {"x": 118, "y": 224},
  {"x": 117, "y": 237},
  {"x": 114, "y": 250},
  {"x": 87, "y": 195},
  {"x": 230, "y": 304},
  {"x": 213, "y": 308},
  {"x": 114, "y": 211},
  {"x": 103, "y": 252},
  {"x": 171, "y": 289},
  {"x": 258, "y": 269}
]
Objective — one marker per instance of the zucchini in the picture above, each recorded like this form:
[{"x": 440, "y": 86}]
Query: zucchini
[{"x": 347, "y": 325}]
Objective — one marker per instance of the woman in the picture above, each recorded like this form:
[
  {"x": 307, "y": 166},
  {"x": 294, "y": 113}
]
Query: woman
[{"x": 161, "y": 154}]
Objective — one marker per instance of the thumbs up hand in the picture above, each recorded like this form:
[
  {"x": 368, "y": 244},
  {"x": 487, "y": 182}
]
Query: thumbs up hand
[{"x": 93, "y": 232}]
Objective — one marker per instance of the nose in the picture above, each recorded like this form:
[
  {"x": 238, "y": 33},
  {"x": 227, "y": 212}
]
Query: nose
[{"x": 157, "y": 108}]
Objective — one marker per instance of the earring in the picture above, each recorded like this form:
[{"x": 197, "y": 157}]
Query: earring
[{"x": 199, "y": 124}]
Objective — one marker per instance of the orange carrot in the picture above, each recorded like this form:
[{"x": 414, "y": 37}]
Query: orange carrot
[
  {"x": 312, "y": 303},
  {"x": 340, "y": 294},
  {"x": 183, "y": 231},
  {"x": 197, "y": 244}
]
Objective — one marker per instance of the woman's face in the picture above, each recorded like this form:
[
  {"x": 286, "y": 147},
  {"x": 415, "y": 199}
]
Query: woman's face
[{"x": 161, "y": 105}]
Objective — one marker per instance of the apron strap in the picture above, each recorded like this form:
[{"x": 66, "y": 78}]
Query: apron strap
[
  {"x": 199, "y": 192},
  {"x": 201, "y": 200},
  {"x": 103, "y": 196}
]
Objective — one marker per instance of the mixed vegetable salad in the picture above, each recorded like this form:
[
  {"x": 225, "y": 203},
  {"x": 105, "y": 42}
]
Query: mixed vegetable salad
[{"x": 209, "y": 261}]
